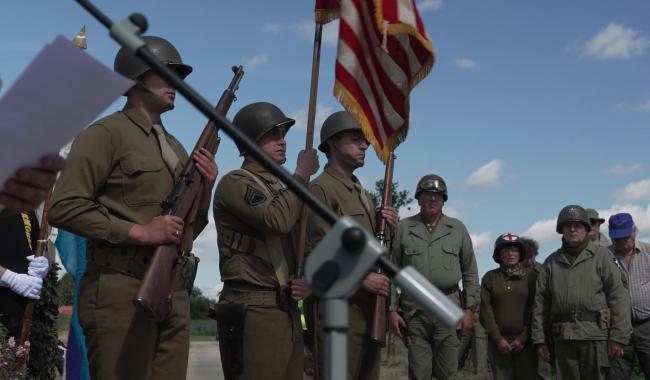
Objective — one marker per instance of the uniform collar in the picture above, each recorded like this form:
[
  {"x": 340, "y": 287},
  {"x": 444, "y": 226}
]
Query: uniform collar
[
  {"x": 138, "y": 118},
  {"x": 348, "y": 182},
  {"x": 419, "y": 228},
  {"x": 258, "y": 169},
  {"x": 585, "y": 254}
]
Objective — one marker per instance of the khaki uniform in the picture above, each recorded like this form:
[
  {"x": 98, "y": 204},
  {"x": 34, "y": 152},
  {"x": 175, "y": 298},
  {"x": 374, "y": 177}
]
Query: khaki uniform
[
  {"x": 116, "y": 177},
  {"x": 585, "y": 304},
  {"x": 445, "y": 257},
  {"x": 346, "y": 196},
  {"x": 254, "y": 216},
  {"x": 603, "y": 241},
  {"x": 544, "y": 368}
]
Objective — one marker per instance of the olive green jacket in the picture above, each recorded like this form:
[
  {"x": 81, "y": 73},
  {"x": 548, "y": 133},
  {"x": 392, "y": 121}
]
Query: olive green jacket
[
  {"x": 254, "y": 216},
  {"x": 115, "y": 177},
  {"x": 589, "y": 286},
  {"x": 444, "y": 257}
]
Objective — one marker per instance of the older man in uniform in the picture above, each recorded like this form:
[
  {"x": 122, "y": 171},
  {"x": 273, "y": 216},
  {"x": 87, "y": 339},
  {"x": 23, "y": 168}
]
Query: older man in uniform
[
  {"x": 254, "y": 216},
  {"x": 343, "y": 142},
  {"x": 581, "y": 295},
  {"x": 634, "y": 258},
  {"x": 594, "y": 233},
  {"x": 118, "y": 172},
  {"x": 440, "y": 248}
]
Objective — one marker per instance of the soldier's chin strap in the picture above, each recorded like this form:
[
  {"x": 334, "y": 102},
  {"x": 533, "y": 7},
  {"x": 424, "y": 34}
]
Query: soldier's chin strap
[{"x": 335, "y": 270}]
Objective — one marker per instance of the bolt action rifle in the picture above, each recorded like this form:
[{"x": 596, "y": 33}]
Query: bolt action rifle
[{"x": 159, "y": 281}]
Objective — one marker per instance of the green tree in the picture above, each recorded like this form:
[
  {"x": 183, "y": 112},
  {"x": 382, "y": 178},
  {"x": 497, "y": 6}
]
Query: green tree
[
  {"x": 65, "y": 290},
  {"x": 400, "y": 197},
  {"x": 199, "y": 304}
]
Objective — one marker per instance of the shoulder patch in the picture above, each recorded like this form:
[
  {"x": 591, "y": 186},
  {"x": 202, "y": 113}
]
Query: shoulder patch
[{"x": 254, "y": 196}]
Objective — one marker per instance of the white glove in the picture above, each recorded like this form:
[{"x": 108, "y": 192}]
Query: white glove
[
  {"x": 23, "y": 284},
  {"x": 38, "y": 266}
]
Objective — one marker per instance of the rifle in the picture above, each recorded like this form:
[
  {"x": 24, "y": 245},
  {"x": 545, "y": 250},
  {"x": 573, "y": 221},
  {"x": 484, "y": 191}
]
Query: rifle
[
  {"x": 378, "y": 329},
  {"x": 159, "y": 279}
]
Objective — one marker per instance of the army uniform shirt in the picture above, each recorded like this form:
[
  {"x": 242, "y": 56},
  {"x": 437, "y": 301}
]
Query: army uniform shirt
[
  {"x": 443, "y": 257},
  {"x": 585, "y": 300}
]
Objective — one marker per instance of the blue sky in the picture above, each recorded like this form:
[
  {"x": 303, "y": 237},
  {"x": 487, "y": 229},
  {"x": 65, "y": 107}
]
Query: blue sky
[{"x": 530, "y": 106}]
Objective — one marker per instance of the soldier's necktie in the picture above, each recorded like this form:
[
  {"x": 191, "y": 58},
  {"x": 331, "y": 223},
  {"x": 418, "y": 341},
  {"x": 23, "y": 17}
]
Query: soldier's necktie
[{"x": 168, "y": 154}]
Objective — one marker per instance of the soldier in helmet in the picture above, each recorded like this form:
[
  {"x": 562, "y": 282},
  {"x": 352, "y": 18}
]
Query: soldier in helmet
[
  {"x": 259, "y": 325},
  {"x": 507, "y": 295},
  {"x": 581, "y": 296},
  {"x": 440, "y": 248},
  {"x": 343, "y": 142},
  {"x": 594, "y": 233},
  {"x": 119, "y": 170}
]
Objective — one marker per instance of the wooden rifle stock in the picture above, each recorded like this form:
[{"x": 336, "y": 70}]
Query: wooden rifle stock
[
  {"x": 157, "y": 286},
  {"x": 378, "y": 329}
]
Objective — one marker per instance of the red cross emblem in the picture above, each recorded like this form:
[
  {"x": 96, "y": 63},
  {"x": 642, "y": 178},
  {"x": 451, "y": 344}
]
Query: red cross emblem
[{"x": 509, "y": 237}]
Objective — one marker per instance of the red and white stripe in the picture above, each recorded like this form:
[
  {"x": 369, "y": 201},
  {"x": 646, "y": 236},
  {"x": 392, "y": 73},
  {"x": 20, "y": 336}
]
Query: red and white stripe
[{"x": 383, "y": 53}]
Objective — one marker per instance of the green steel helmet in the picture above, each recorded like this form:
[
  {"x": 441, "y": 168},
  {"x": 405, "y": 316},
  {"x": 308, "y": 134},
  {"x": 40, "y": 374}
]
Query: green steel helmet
[
  {"x": 127, "y": 64},
  {"x": 256, "y": 119},
  {"x": 337, "y": 122},
  {"x": 432, "y": 183},
  {"x": 508, "y": 240},
  {"x": 572, "y": 213}
]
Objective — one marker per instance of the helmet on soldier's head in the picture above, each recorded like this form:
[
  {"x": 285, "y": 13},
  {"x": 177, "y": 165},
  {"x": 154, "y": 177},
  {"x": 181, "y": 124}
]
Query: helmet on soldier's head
[
  {"x": 508, "y": 240},
  {"x": 127, "y": 64},
  {"x": 431, "y": 183},
  {"x": 337, "y": 122},
  {"x": 572, "y": 213},
  {"x": 256, "y": 119}
]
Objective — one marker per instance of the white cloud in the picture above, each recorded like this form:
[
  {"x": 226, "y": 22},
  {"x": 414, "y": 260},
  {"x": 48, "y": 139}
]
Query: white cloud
[
  {"x": 330, "y": 34},
  {"x": 205, "y": 246},
  {"x": 429, "y": 5},
  {"x": 542, "y": 230},
  {"x": 640, "y": 214},
  {"x": 623, "y": 169},
  {"x": 466, "y": 63},
  {"x": 617, "y": 42},
  {"x": 300, "y": 116},
  {"x": 634, "y": 191},
  {"x": 260, "y": 59},
  {"x": 487, "y": 176},
  {"x": 645, "y": 106},
  {"x": 481, "y": 241},
  {"x": 272, "y": 27}
]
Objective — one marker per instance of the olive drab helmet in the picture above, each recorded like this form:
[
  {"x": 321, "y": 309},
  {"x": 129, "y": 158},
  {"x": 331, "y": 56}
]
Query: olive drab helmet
[
  {"x": 127, "y": 64},
  {"x": 508, "y": 240},
  {"x": 337, "y": 122},
  {"x": 256, "y": 119},
  {"x": 431, "y": 183},
  {"x": 572, "y": 213}
]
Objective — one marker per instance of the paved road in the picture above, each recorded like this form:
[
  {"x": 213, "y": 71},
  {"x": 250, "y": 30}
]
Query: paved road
[{"x": 205, "y": 362}]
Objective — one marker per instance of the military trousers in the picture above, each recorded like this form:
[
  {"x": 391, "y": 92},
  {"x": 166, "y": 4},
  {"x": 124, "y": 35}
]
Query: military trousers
[
  {"x": 581, "y": 359},
  {"x": 512, "y": 366},
  {"x": 273, "y": 346},
  {"x": 640, "y": 348},
  {"x": 432, "y": 348},
  {"x": 123, "y": 342},
  {"x": 544, "y": 369}
]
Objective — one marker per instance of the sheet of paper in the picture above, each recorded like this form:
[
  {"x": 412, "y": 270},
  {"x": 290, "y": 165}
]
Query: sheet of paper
[{"x": 60, "y": 93}]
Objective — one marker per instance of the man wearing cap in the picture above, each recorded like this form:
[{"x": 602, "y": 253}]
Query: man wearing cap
[
  {"x": 440, "y": 248},
  {"x": 581, "y": 295},
  {"x": 594, "y": 234},
  {"x": 259, "y": 326},
  {"x": 507, "y": 295},
  {"x": 634, "y": 258},
  {"x": 345, "y": 146},
  {"x": 119, "y": 170}
]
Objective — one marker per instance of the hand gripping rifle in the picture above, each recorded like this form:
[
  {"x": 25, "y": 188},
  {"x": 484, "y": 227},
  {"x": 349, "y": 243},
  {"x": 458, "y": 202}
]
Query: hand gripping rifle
[
  {"x": 159, "y": 281},
  {"x": 378, "y": 329}
]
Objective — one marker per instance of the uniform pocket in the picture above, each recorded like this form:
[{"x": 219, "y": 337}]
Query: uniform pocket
[
  {"x": 450, "y": 257},
  {"x": 415, "y": 256},
  {"x": 141, "y": 181}
]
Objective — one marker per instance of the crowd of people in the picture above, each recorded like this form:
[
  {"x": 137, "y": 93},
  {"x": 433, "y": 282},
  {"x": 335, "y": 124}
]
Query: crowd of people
[{"x": 584, "y": 311}]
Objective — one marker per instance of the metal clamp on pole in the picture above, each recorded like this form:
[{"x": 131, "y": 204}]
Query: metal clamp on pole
[{"x": 335, "y": 270}]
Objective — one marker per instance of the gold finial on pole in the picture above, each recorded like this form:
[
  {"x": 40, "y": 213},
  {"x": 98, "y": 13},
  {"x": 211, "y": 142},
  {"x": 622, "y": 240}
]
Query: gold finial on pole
[{"x": 80, "y": 38}]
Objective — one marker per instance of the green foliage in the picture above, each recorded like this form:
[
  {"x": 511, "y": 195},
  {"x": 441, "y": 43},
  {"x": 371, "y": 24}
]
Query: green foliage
[
  {"x": 65, "y": 290},
  {"x": 44, "y": 352},
  {"x": 199, "y": 304},
  {"x": 400, "y": 197}
]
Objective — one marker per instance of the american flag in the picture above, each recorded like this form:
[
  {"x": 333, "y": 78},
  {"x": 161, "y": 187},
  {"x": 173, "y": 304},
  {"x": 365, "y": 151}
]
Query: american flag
[{"x": 383, "y": 52}]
